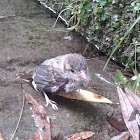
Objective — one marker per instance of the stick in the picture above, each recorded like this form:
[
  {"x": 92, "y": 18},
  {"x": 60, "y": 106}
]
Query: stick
[
  {"x": 54, "y": 12},
  {"x": 21, "y": 112}
]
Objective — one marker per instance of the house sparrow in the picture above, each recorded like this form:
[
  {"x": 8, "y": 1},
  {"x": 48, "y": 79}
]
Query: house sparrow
[{"x": 63, "y": 73}]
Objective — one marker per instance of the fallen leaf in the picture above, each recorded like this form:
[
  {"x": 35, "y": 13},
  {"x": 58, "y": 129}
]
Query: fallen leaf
[
  {"x": 122, "y": 136},
  {"x": 55, "y": 126},
  {"x": 31, "y": 100},
  {"x": 56, "y": 137},
  {"x": 133, "y": 99},
  {"x": 41, "y": 119},
  {"x": 1, "y": 137},
  {"x": 127, "y": 111},
  {"x": 127, "y": 73},
  {"x": 97, "y": 138},
  {"x": 116, "y": 131},
  {"x": 35, "y": 136},
  {"x": 79, "y": 136},
  {"x": 115, "y": 123},
  {"x": 85, "y": 95},
  {"x": 126, "y": 136},
  {"x": 124, "y": 72}
]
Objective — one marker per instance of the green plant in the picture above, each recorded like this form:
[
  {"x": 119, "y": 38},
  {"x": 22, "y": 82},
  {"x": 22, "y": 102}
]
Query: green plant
[
  {"x": 122, "y": 39},
  {"x": 135, "y": 6},
  {"x": 75, "y": 13}
]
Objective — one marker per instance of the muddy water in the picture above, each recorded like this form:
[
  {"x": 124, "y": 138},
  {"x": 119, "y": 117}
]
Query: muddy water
[{"x": 26, "y": 39}]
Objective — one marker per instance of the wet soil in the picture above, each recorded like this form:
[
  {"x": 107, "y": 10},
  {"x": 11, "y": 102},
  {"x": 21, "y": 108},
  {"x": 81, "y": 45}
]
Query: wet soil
[{"x": 26, "y": 40}]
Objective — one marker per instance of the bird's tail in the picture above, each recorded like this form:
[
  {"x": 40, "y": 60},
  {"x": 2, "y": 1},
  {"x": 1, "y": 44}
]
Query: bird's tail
[{"x": 26, "y": 77}]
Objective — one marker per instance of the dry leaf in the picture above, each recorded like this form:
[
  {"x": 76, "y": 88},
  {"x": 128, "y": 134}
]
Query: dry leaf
[
  {"x": 85, "y": 95},
  {"x": 55, "y": 126},
  {"x": 97, "y": 138},
  {"x": 127, "y": 73},
  {"x": 56, "y": 137},
  {"x": 31, "y": 100},
  {"x": 1, "y": 137},
  {"x": 79, "y": 136},
  {"x": 124, "y": 72},
  {"x": 35, "y": 136},
  {"x": 115, "y": 123},
  {"x": 133, "y": 99},
  {"x": 122, "y": 136},
  {"x": 127, "y": 111},
  {"x": 126, "y": 136},
  {"x": 41, "y": 119}
]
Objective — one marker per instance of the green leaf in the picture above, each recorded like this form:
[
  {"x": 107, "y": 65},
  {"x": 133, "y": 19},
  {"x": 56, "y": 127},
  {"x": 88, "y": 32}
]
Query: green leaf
[
  {"x": 122, "y": 80},
  {"x": 84, "y": 22},
  {"x": 101, "y": 2},
  {"x": 88, "y": 8},
  {"x": 138, "y": 49},
  {"x": 136, "y": 84}
]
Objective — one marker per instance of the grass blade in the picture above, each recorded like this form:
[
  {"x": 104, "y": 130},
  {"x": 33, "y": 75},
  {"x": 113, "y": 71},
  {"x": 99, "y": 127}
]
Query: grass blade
[{"x": 128, "y": 31}]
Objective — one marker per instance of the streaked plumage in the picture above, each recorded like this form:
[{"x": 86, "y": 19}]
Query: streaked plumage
[{"x": 63, "y": 73}]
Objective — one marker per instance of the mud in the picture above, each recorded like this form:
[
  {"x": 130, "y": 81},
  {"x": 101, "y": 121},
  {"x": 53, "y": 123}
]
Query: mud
[{"x": 26, "y": 40}]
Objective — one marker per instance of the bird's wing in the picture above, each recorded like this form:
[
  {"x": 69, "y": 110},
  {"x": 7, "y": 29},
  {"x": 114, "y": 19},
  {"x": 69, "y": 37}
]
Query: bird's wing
[{"x": 49, "y": 79}]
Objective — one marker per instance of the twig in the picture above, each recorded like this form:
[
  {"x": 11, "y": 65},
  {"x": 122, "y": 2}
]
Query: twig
[
  {"x": 45, "y": 5},
  {"x": 7, "y": 16},
  {"x": 73, "y": 27},
  {"x": 21, "y": 112},
  {"x": 59, "y": 16}
]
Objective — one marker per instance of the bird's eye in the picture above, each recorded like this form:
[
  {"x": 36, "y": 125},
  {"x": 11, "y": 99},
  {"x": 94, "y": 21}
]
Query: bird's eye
[{"x": 72, "y": 70}]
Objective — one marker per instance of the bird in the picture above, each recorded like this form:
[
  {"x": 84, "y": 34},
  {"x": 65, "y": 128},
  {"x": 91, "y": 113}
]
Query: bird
[{"x": 66, "y": 73}]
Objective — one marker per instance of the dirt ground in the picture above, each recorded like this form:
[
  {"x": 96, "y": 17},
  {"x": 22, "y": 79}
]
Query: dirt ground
[{"x": 26, "y": 40}]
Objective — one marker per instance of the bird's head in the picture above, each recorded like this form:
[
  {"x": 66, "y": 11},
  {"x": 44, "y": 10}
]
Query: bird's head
[{"x": 75, "y": 65}]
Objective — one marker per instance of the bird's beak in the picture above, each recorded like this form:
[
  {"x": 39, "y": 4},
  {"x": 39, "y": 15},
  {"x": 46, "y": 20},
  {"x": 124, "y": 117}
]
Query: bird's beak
[{"x": 82, "y": 75}]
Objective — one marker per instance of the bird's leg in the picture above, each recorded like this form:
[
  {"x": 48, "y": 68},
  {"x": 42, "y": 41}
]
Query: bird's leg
[{"x": 48, "y": 101}]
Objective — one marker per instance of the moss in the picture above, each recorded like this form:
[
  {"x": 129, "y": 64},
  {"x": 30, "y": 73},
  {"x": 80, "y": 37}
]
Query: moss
[{"x": 30, "y": 37}]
